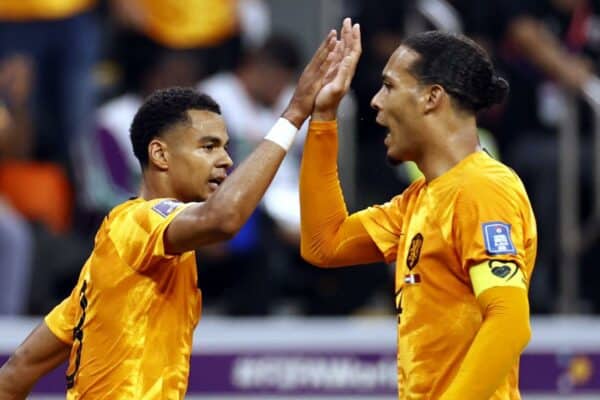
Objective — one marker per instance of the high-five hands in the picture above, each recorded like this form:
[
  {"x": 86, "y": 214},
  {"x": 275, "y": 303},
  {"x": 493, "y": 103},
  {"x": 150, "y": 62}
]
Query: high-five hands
[
  {"x": 311, "y": 81},
  {"x": 343, "y": 61}
]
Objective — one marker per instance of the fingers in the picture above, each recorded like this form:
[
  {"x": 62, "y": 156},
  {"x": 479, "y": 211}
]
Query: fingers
[
  {"x": 354, "y": 54},
  {"x": 348, "y": 56},
  {"x": 323, "y": 51},
  {"x": 346, "y": 35},
  {"x": 330, "y": 66},
  {"x": 356, "y": 40}
]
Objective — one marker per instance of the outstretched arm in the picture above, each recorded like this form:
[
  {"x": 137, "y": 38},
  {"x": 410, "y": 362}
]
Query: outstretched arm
[
  {"x": 39, "y": 354},
  {"x": 226, "y": 211},
  {"x": 329, "y": 237}
]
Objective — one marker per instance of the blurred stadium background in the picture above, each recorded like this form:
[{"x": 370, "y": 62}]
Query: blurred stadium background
[{"x": 73, "y": 72}]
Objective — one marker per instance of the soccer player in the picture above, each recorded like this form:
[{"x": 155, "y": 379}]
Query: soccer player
[
  {"x": 127, "y": 327},
  {"x": 463, "y": 238}
]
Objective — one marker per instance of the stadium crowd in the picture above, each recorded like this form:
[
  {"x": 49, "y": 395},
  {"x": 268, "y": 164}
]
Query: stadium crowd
[{"x": 74, "y": 72}]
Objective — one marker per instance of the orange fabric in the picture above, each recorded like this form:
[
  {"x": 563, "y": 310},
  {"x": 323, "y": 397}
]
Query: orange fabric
[
  {"x": 496, "y": 349},
  {"x": 190, "y": 23},
  {"x": 343, "y": 240},
  {"x": 39, "y": 191},
  {"x": 434, "y": 232},
  {"x": 24, "y": 10},
  {"x": 130, "y": 319}
]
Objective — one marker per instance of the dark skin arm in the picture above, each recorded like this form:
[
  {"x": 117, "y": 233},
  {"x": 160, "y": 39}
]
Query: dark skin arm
[
  {"x": 226, "y": 211},
  {"x": 39, "y": 354},
  {"x": 544, "y": 50}
]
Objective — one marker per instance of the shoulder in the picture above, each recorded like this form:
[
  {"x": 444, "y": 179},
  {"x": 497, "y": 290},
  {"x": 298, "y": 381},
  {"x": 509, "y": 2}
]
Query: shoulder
[
  {"x": 412, "y": 190},
  {"x": 492, "y": 191},
  {"x": 489, "y": 177},
  {"x": 144, "y": 211}
]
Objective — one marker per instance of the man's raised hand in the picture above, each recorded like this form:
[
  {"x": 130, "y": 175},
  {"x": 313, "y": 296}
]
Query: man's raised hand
[
  {"x": 311, "y": 81},
  {"x": 344, "y": 59}
]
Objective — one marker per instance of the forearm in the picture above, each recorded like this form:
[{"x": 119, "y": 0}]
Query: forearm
[
  {"x": 506, "y": 321},
  {"x": 12, "y": 385},
  {"x": 322, "y": 205},
  {"x": 544, "y": 50},
  {"x": 39, "y": 354}
]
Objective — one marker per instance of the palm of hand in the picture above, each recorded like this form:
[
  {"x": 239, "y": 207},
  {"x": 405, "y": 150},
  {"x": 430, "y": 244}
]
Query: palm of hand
[{"x": 343, "y": 65}]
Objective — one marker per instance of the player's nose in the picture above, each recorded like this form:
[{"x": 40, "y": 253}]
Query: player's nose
[
  {"x": 376, "y": 101},
  {"x": 225, "y": 161}
]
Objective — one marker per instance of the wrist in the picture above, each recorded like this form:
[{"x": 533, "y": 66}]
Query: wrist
[
  {"x": 283, "y": 133},
  {"x": 324, "y": 115},
  {"x": 294, "y": 116}
]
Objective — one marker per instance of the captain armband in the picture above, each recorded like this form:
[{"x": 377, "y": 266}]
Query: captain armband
[{"x": 496, "y": 273}]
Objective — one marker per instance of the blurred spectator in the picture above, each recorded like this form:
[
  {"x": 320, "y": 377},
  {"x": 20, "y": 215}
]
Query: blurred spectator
[
  {"x": 15, "y": 235},
  {"x": 35, "y": 203},
  {"x": 62, "y": 40},
  {"x": 549, "y": 46},
  {"x": 214, "y": 29}
]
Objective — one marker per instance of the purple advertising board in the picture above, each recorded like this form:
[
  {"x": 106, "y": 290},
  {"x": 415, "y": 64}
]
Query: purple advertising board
[{"x": 303, "y": 361}]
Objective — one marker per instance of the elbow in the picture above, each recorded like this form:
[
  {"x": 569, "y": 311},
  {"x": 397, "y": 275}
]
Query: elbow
[
  {"x": 525, "y": 336},
  {"x": 227, "y": 228},
  {"x": 313, "y": 256},
  {"x": 225, "y": 222}
]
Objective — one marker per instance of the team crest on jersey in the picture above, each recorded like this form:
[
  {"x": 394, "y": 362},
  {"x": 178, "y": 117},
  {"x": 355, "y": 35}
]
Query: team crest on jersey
[
  {"x": 496, "y": 236},
  {"x": 414, "y": 251},
  {"x": 166, "y": 207}
]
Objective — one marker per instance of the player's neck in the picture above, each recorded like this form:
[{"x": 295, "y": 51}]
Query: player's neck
[
  {"x": 447, "y": 149},
  {"x": 153, "y": 187}
]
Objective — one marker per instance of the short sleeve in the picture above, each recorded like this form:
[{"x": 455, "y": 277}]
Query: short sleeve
[
  {"x": 63, "y": 318},
  {"x": 488, "y": 223},
  {"x": 384, "y": 224},
  {"x": 138, "y": 232}
]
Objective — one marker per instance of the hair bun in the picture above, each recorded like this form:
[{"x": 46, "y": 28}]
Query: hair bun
[{"x": 497, "y": 91}]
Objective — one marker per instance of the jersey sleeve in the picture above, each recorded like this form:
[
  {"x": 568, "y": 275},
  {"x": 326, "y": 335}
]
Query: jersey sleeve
[
  {"x": 489, "y": 226},
  {"x": 63, "y": 318},
  {"x": 384, "y": 224},
  {"x": 138, "y": 234}
]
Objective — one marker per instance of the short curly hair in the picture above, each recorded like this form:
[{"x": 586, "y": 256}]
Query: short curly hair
[
  {"x": 160, "y": 111},
  {"x": 460, "y": 66}
]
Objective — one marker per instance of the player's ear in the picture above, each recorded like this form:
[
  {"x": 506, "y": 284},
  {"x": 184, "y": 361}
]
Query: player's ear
[
  {"x": 433, "y": 97},
  {"x": 157, "y": 154}
]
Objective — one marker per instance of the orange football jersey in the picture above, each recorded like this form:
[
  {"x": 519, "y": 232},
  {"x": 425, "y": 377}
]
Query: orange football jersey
[
  {"x": 130, "y": 319},
  {"x": 24, "y": 10},
  {"x": 477, "y": 212},
  {"x": 190, "y": 23}
]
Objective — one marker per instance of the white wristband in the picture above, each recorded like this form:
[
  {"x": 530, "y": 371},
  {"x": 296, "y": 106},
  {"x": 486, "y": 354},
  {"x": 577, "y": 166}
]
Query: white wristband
[{"x": 282, "y": 133}]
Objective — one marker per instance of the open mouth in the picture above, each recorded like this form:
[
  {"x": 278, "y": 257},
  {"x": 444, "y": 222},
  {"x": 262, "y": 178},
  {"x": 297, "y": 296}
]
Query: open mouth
[{"x": 216, "y": 181}]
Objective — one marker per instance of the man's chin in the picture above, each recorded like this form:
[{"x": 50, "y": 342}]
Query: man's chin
[{"x": 393, "y": 161}]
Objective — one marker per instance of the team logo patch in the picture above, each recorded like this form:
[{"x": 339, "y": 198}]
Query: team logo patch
[
  {"x": 503, "y": 269},
  {"x": 496, "y": 236},
  {"x": 166, "y": 207},
  {"x": 414, "y": 251}
]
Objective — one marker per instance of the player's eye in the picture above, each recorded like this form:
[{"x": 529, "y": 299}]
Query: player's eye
[{"x": 208, "y": 147}]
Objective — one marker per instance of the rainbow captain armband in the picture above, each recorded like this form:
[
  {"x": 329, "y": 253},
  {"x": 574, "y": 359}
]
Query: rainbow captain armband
[{"x": 495, "y": 273}]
